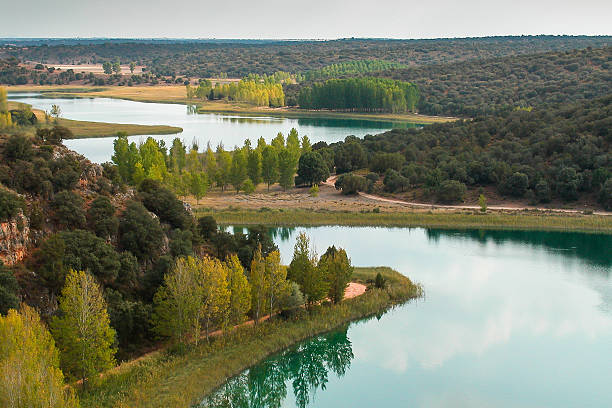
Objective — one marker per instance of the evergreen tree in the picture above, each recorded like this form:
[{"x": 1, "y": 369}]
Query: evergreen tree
[{"x": 82, "y": 330}]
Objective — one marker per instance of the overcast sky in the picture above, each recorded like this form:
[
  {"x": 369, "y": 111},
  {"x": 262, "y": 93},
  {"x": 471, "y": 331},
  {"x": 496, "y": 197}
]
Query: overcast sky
[{"x": 302, "y": 19}]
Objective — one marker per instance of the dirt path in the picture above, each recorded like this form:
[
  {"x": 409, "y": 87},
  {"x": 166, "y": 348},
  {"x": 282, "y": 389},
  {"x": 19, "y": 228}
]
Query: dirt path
[{"x": 331, "y": 180}]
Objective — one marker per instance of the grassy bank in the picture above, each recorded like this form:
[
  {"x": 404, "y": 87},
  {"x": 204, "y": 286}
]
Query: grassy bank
[
  {"x": 523, "y": 220},
  {"x": 161, "y": 379},
  {"x": 177, "y": 94},
  {"x": 84, "y": 129}
]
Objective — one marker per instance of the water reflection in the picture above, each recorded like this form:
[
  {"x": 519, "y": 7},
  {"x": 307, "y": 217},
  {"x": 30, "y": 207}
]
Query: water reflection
[{"x": 305, "y": 369}]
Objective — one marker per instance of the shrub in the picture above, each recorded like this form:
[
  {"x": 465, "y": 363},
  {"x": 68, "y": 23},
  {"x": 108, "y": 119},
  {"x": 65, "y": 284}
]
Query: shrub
[
  {"x": 248, "y": 187},
  {"x": 68, "y": 210},
  {"x": 605, "y": 195},
  {"x": 314, "y": 190},
  {"x": 18, "y": 147},
  {"x": 451, "y": 191},
  {"x": 9, "y": 205}
]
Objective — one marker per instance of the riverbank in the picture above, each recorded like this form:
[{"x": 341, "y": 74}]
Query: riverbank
[
  {"x": 162, "y": 379},
  {"x": 177, "y": 94},
  {"x": 446, "y": 219},
  {"x": 85, "y": 129}
]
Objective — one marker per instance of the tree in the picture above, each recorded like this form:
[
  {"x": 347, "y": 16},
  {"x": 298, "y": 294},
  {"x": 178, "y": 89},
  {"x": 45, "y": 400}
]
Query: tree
[
  {"x": 198, "y": 185},
  {"x": 605, "y": 195},
  {"x": 286, "y": 167},
  {"x": 176, "y": 303},
  {"x": 68, "y": 210},
  {"x": 238, "y": 173},
  {"x": 257, "y": 279},
  {"x": 240, "y": 291},
  {"x": 139, "y": 232},
  {"x": 101, "y": 217},
  {"x": 82, "y": 330},
  {"x": 254, "y": 166},
  {"x": 269, "y": 165},
  {"x": 482, "y": 203},
  {"x": 567, "y": 183},
  {"x": 312, "y": 168},
  {"x": 161, "y": 201},
  {"x": 107, "y": 66},
  {"x": 56, "y": 111},
  {"x": 213, "y": 293},
  {"x": 10, "y": 204},
  {"x": 451, "y": 191},
  {"x": 515, "y": 184},
  {"x": 224, "y": 166},
  {"x": 276, "y": 280},
  {"x": 303, "y": 270},
  {"x": 248, "y": 187},
  {"x": 29, "y": 364},
  {"x": 132, "y": 66},
  {"x": 337, "y": 268},
  {"x": 9, "y": 290}
]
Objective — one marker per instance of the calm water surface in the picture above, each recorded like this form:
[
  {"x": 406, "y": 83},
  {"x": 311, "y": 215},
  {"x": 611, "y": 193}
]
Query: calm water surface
[
  {"x": 510, "y": 319},
  {"x": 231, "y": 130}
]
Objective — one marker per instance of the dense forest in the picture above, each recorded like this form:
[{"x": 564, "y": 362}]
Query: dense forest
[
  {"x": 239, "y": 58},
  {"x": 542, "y": 154},
  {"x": 474, "y": 88},
  {"x": 360, "y": 94}
]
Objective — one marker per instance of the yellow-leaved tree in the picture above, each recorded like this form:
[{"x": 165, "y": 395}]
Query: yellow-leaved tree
[
  {"x": 82, "y": 329},
  {"x": 30, "y": 376},
  {"x": 240, "y": 291}
]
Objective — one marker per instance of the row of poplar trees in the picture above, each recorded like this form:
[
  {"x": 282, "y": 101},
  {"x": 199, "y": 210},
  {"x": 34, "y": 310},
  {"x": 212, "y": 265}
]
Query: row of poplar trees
[{"x": 194, "y": 173}]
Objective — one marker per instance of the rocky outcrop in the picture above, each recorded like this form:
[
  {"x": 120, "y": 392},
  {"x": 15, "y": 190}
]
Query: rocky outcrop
[{"x": 14, "y": 239}]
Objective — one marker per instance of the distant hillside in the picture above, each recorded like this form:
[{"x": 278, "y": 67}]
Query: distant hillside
[{"x": 239, "y": 58}]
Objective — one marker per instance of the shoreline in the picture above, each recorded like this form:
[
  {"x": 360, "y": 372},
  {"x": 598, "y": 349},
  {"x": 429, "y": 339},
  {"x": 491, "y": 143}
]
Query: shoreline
[
  {"x": 493, "y": 220},
  {"x": 163, "y": 379},
  {"x": 173, "y": 94}
]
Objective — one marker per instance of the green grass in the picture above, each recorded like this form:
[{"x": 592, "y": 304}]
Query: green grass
[
  {"x": 161, "y": 379},
  {"x": 517, "y": 220},
  {"x": 82, "y": 129}
]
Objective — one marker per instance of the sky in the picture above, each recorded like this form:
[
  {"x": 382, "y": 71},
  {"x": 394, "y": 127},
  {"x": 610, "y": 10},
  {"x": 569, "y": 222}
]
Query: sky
[{"x": 312, "y": 19}]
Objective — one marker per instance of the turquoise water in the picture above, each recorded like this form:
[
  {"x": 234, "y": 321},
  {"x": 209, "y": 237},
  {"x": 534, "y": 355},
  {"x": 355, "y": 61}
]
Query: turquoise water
[
  {"x": 231, "y": 130},
  {"x": 509, "y": 319}
]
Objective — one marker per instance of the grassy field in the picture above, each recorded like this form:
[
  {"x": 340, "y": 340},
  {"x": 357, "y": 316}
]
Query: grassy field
[
  {"x": 177, "y": 94},
  {"x": 162, "y": 379},
  {"x": 83, "y": 129},
  {"x": 516, "y": 220}
]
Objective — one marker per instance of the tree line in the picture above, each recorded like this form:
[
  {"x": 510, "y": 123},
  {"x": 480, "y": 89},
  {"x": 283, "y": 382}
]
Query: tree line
[
  {"x": 350, "y": 68},
  {"x": 560, "y": 153},
  {"x": 186, "y": 171},
  {"x": 360, "y": 94},
  {"x": 260, "y": 92}
]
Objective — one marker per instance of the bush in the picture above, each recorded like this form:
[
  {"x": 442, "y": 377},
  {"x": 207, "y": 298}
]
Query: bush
[
  {"x": 451, "y": 191},
  {"x": 68, "y": 210},
  {"x": 352, "y": 184},
  {"x": 314, "y": 190},
  {"x": 139, "y": 232},
  {"x": 381, "y": 162},
  {"x": 312, "y": 168},
  {"x": 248, "y": 187},
  {"x": 101, "y": 217},
  {"x": 18, "y": 147},
  {"x": 605, "y": 195},
  {"x": 10, "y": 204},
  {"x": 515, "y": 185},
  {"x": 9, "y": 290}
]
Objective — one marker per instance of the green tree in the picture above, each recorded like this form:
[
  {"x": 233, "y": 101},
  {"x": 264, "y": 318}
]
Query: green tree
[
  {"x": 240, "y": 291},
  {"x": 257, "y": 279},
  {"x": 482, "y": 202},
  {"x": 29, "y": 363},
  {"x": 198, "y": 185},
  {"x": 9, "y": 289},
  {"x": 101, "y": 217},
  {"x": 254, "y": 166},
  {"x": 336, "y": 267},
  {"x": 238, "y": 173},
  {"x": 132, "y": 66},
  {"x": 269, "y": 165},
  {"x": 224, "y": 166},
  {"x": 286, "y": 167},
  {"x": 82, "y": 330},
  {"x": 312, "y": 168},
  {"x": 68, "y": 210},
  {"x": 139, "y": 232},
  {"x": 303, "y": 270},
  {"x": 107, "y": 66},
  {"x": 276, "y": 280}
]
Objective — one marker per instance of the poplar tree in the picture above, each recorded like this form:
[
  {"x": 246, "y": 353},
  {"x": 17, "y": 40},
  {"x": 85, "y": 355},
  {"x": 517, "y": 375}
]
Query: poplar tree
[
  {"x": 238, "y": 173},
  {"x": 240, "y": 291},
  {"x": 278, "y": 142},
  {"x": 276, "y": 280},
  {"x": 212, "y": 292},
  {"x": 303, "y": 270},
  {"x": 224, "y": 165},
  {"x": 336, "y": 267},
  {"x": 258, "y": 284},
  {"x": 286, "y": 168},
  {"x": 254, "y": 166},
  {"x": 30, "y": 376},
  {"x": 82, "y": 329},
  {"x": 198, "y": 185},
  {"x": 269, "y": 165}
]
